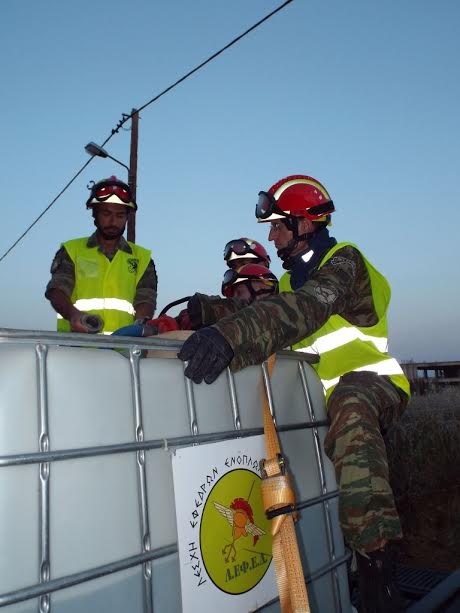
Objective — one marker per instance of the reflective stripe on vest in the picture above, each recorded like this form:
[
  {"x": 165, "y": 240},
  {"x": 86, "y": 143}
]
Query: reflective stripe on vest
[
  {"x": 342, "y": 337},
  {"x": 385, "y": 367},
  {"x": 344, "y": 347},
  {"x": 92, "y": 304},
  {"x": 105, "y": 287}
]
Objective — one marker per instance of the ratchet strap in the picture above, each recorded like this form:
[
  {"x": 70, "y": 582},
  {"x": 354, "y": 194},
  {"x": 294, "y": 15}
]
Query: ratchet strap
[{"x": 278, "y": 495}]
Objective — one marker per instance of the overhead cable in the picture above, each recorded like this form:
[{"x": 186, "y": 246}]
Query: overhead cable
[
  {"x": 127, "y": 117},
  {"x": 26, "y": 231}
]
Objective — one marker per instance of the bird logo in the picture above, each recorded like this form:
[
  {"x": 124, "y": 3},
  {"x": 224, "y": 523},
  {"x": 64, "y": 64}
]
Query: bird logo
[
  {"x": 240, "y": 516},
  {"x": 235, "y": 534}
]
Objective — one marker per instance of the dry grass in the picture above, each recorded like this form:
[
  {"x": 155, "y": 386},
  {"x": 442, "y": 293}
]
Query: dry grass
[{"x": 424, "y": 457}]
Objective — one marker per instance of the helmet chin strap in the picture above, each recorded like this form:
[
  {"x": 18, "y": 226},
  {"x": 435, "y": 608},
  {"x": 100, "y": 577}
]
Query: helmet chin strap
[{"x": 285, "y": 254}]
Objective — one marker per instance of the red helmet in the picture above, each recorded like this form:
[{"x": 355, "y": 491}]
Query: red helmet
[
  {"x": 295, "y": 196},
  {"x": 112, "y": 191},
  {"x": 245, "y": 248},
  {"x": 246, "y": 274}
]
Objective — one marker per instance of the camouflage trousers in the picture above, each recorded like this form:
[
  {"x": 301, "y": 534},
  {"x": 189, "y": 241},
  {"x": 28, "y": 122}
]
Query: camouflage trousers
[{"x": 361, "y": 408}]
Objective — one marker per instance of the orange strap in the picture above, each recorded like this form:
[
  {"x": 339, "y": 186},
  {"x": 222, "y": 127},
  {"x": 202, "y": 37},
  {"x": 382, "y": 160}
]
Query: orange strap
[{"x": 277, "y": 492}]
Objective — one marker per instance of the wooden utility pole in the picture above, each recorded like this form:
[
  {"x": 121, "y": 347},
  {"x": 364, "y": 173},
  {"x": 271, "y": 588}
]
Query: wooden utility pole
[{"x": 132, "y": 179}]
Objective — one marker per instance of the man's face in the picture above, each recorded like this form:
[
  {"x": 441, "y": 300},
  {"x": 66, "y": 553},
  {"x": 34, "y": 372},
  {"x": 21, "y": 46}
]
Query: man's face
[
  {"x": 110, "y": 220},
  {"x": 241, "y": 290},
  {"x": 239, "y": 262},
  {"x": 280, "y": 234}
]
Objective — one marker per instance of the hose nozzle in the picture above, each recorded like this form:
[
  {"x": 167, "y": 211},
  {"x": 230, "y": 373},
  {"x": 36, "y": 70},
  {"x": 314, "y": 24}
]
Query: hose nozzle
[{"x": 94, "y": 323}]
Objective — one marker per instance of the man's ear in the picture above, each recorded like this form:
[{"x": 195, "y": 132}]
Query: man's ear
[{"x": 305, "y": 226}]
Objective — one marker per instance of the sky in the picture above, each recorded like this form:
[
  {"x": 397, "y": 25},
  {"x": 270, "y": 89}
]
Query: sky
[{"x": 362, "y": 95}]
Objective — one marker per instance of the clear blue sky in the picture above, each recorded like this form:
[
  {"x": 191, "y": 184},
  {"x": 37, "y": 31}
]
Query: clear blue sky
[{"x": 363, "y": 95}]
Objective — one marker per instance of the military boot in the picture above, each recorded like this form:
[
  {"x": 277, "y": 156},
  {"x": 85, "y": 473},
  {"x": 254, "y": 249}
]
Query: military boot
[{"x": 377, "y": 582}]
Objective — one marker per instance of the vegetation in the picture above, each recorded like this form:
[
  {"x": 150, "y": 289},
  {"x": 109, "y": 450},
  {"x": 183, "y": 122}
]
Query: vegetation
[{"x": 424, "y": 458}]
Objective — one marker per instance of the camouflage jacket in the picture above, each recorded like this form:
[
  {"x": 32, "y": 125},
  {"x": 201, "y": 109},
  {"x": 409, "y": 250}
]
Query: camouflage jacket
[
  {"x": 63, "y": 273},
  {"x": 341, "y": 286},
  {"x": 213, "y": 308}
]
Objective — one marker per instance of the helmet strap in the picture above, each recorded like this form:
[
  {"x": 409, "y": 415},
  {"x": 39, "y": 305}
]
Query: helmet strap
[{"x": 292, "y": 223}]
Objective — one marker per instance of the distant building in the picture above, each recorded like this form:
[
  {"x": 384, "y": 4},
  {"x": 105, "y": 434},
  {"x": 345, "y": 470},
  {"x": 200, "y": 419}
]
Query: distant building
[{"x": 427, "y": 377}]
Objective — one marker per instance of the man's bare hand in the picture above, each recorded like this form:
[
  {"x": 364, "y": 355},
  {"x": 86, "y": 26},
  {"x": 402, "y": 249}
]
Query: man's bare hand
[{"x": 76, "y": 325}]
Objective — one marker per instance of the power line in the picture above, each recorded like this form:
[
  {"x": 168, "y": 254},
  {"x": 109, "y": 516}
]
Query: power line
[
  {"x": 26, "y": 231},
  {"x": 126, "y": 117},
  {"x": 213, "y": 57}
]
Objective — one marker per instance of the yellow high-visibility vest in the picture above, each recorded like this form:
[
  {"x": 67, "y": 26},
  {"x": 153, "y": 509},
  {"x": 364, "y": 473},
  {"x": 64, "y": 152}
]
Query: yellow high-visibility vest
[
  {"x": 103, "y": 287},
  {"x": 344, "y": 347}
]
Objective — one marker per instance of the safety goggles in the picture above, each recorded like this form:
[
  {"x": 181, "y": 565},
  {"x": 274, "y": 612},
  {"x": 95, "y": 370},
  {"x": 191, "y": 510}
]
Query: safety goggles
[
  {"x": 231, "y": 277},
  {"x": 266, "y": 206},
  {"x": 238, "y": 247},
  {"x": 103, "y": 192}
]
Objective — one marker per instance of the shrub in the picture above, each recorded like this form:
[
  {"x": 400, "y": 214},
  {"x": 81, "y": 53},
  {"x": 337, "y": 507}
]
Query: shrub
[{"x": 424, "y": 459}]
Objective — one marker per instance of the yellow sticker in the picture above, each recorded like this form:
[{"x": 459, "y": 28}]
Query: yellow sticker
[{"x": 235, "y": 538}]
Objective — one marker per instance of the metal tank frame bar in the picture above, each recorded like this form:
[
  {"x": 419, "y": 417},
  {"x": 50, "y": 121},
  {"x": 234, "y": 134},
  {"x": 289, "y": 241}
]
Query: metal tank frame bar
[
  {"x": 163, "y": 443},
  {"x": 61, "y": 583},
  {"x": 44, "y": 458},
  {"x": 41, "y": 352},
  {"x": 134, "y": 357},
  {"x": 322, "y": 477},
  {"x": 54, "y": 585}
]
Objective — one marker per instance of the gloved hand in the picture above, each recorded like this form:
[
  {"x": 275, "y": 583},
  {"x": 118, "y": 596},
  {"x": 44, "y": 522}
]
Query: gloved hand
[
  {"x": 207, "y": 353},
  {"x": 164, "y": 323},
  {"x": 184, "y": 321},
  {"x": 194, "y": 312}
]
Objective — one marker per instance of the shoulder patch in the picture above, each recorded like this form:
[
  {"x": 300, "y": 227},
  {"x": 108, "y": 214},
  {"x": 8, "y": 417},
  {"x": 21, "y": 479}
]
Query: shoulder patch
[
  {"x": 340, "y": 261},
  {"x": 133, "y": 264},
  {"x": 326, "y": 295}
]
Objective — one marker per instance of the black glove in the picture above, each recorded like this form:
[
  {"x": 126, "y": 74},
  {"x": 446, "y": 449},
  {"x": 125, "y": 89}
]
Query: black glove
[
  {"x": 194, "y": 312},
  {"x": 207, "y": 353}
]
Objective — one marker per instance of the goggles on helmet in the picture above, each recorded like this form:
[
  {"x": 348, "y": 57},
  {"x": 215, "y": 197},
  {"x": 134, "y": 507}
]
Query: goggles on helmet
[
  {"x": 240, "y": 247},
  {"x": 232, "y": 277},
  {"x": 103, "y": 191},
  {"x": 267, "y": 206}
]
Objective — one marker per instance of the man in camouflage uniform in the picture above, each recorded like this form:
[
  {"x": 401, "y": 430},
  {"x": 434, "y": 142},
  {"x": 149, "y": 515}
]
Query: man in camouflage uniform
[
  {"x": 240, "y": 287},
  {"x": 249, "y": 282},
  {"x": 242, "y": 255},
  {"x": 241, "y": 251},
  {"x": 334, "y": 303},
  {"x": 103, "y": 275}
]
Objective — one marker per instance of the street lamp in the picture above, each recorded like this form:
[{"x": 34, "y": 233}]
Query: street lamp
[{"x": 94, "y": 150}]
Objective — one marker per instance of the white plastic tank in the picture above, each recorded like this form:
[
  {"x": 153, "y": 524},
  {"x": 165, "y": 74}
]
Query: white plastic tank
[{"x": 87, "y": 520}]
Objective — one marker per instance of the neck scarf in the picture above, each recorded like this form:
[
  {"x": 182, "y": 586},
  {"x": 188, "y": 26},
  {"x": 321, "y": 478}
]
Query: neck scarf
[{"x": 304, "y": 264}]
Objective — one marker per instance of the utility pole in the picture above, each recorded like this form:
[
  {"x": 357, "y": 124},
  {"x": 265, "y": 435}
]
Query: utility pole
[{"x": 132, "y": 179}]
